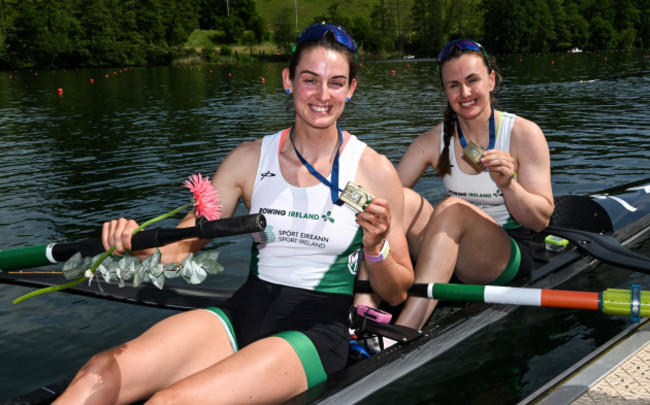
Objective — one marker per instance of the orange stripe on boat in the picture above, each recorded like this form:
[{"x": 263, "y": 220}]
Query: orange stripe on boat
[{"x": 570, "y": 299}]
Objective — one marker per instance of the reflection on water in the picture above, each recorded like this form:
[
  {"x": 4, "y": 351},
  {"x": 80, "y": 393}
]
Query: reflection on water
[{"x": 122, "y": 145}]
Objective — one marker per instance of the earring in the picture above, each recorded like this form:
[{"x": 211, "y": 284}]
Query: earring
[
  {"x": 288, "y": 91},
  {"x": 347, "y": 100}
]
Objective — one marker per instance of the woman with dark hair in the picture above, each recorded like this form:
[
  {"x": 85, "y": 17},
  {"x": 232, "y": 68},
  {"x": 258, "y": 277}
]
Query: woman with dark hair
[
  {"x": 285, "y": 329},
  {"x": 495, "y": 167}
]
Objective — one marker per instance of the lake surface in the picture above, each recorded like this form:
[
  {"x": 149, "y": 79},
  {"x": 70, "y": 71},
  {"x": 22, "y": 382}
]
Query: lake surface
[{"x": 122, "y": 144}]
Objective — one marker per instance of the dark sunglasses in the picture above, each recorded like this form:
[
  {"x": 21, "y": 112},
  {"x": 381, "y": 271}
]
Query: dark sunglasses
[
  {"x": 317, "y": 31},
  {"x": 463, "y": 45}
]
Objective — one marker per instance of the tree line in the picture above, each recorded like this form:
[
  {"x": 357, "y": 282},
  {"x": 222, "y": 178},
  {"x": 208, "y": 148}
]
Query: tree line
[{"x": 75, "y": 33}]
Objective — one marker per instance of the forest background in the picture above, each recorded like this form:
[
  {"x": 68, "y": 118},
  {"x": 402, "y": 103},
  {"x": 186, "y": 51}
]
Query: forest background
[{"x": 84, "y": 33}]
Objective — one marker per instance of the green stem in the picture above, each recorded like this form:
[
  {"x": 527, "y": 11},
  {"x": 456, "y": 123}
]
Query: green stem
[
  {"x": 49, "y": 289},
  {"x": 99, "y": 261},
  {"x": 161, "y": 217}
]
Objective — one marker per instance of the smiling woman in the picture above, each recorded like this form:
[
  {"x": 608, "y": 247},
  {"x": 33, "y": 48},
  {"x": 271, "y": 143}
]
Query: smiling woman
[
  {"x": 188, "y": 357},
  {"x": 495, "y": 167}
]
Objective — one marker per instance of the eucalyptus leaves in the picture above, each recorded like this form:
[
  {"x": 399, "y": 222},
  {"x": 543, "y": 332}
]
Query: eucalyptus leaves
[{"x": 194, "y": 269}]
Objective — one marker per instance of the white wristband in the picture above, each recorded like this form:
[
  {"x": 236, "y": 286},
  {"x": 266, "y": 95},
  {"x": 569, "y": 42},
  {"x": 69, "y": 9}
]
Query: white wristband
[{"x": 383, "y": 253}]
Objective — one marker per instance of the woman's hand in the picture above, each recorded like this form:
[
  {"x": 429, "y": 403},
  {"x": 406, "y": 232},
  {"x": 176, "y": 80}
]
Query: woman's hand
[
  {"x": 502, "y": 166},
  {"x": 118, "y": 233},
  {"x": 375, "y": 221}
]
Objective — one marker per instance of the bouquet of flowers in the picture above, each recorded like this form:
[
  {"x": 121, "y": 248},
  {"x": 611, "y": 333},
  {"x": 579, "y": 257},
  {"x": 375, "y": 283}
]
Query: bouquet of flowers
[{"x": 193, "y": 269}]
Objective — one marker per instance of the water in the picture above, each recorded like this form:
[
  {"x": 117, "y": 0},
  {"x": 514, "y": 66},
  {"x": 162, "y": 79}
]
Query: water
[{"x": 122, "y": 146}]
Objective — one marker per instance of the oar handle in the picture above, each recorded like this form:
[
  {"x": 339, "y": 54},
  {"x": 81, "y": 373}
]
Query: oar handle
[{"x": 41, "y": 255}]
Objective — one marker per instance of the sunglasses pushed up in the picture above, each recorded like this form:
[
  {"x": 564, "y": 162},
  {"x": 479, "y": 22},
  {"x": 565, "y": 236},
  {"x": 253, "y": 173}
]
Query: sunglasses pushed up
[
  {"x": 317, "y": 31},
  {"x": 463, "y": 45}
]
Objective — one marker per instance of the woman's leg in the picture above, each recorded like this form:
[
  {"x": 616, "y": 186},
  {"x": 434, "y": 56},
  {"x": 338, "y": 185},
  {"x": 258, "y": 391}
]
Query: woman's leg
[
  {"x": 169, "y": 351},
  {"x": 266, "y": 371},
  {"x": 460, "y": 238},
  {"x": 417, "y": 213}
]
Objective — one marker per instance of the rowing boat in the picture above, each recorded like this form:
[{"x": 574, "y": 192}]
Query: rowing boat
[
  {"x": 628, "y": 209},
  {"x": 623, "y": 212}
]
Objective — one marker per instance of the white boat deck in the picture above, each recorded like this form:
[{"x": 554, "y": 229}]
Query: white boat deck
[{"x": 618, "y": 374}]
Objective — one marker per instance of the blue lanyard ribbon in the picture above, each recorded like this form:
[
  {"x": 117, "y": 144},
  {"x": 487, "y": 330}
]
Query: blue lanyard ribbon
[
  {"x": 462, "y": 140},
  {"x": 334, "y": 185}
]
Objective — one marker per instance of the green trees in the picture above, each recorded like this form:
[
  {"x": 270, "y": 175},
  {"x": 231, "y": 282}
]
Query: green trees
[
  {"x": 556, "y": 25},
  {"x": 73, "y": 33}
]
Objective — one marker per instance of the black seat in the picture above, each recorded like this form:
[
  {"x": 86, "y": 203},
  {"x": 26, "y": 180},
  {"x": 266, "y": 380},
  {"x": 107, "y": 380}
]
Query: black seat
[{"x": 583, "y": 213}]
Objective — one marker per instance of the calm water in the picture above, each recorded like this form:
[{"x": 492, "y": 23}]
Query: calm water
[{"x": 121, "y": 146}]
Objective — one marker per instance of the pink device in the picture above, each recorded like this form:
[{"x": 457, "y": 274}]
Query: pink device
[{"x": 374, "y": 314}]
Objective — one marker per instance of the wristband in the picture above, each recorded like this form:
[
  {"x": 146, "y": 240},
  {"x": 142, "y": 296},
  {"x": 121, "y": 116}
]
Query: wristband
[
  {"x": 374, "y": 314},
  {"x": 383, "y": 254}
]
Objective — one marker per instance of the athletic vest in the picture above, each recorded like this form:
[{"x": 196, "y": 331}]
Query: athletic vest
[
  {"x": 309, "y": 242},
  {"x": 479, "y": 189}
]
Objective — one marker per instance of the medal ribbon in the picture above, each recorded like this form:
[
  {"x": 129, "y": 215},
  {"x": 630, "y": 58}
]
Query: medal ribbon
[
  {"x": 334, "y": 185},
  {"x": 462, "y": 140}
]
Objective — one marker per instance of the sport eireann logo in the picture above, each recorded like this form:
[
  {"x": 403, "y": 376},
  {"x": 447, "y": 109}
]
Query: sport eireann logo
[{"x": 267, "y": 234}]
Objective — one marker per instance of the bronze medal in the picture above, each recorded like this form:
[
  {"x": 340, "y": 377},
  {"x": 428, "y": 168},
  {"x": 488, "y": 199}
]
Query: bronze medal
[
  {"x": 474, "y": 152},
  {"x": 355, "y": 196}
]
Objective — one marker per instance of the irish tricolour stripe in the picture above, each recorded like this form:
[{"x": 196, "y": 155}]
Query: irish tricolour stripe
[{"x": 632, "y": 302}]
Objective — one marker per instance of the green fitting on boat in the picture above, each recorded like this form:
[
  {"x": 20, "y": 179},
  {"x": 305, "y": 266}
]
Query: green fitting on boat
[
  {"x": 555, "y": 243},
  {"x": 619, "y": 302},
  {"x": 458, "y": 292},
  {"x": 23, "y": 258}
]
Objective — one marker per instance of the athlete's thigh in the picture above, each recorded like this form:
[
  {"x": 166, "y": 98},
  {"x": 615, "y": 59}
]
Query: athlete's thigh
[
  {"x": 484, "y": 250},
  {"x": 169, "y": 351},
  {"x": 268, "y": 370}
]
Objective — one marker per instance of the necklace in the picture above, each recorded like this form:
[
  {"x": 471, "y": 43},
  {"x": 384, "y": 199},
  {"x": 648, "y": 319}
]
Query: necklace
[
  {"x": 462, "y": 140},
  {"x": 334, "y": 184}
]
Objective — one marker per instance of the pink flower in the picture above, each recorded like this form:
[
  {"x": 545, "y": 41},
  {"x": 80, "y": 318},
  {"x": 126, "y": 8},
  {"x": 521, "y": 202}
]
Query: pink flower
[{"x": 206, "y": 198}]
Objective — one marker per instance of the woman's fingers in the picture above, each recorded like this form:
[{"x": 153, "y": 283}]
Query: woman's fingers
[
  {"x": 375, "y": 220},
  {"x": 118, "y": 233}
]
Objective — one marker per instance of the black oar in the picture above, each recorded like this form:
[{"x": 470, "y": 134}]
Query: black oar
[
  {"x": 41, "y": 255},
  {"x": 603, "y": 247}
]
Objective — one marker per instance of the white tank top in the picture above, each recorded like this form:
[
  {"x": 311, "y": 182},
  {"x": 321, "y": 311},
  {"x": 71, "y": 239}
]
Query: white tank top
[
  {"x": 479, "y": 189},
  {"x": 309, "y": 242}
]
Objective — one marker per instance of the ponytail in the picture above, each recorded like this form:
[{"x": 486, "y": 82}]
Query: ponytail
[{"x": 449, "y": 126}]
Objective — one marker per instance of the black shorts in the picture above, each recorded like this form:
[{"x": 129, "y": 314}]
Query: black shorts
[{"x": 260, "y": 309}]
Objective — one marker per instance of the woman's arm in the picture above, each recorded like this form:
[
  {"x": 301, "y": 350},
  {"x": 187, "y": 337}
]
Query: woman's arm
[
  {"x": 382, "y": 219},
  {"x": 233, "y": 180},
  {"x": 420, "y": 155},
  {"x": 530, "y": 197}
]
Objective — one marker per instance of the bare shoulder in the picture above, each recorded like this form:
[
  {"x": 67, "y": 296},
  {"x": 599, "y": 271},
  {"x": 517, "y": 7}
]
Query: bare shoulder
[
  {"x": 244, "y": 155},
  {"x": 235, "y": 176},
  {"x": 377, "y": 174},
  {"x": 431, "y": 137},
  {"x": 525, "y": 128},
  {"x": 528, "y": 138}
]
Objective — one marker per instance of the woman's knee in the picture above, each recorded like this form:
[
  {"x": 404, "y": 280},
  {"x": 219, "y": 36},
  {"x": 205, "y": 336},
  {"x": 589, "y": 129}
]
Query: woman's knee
[
  {"x": 451, "y": 204},
  {"x": 104, "y": 367},
  {"x": 98, "y": 380}
]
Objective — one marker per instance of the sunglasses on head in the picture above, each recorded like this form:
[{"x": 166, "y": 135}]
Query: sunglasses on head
[
  {"x": 463, "y": 45},
  {"x": 317, "y": 31}
]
